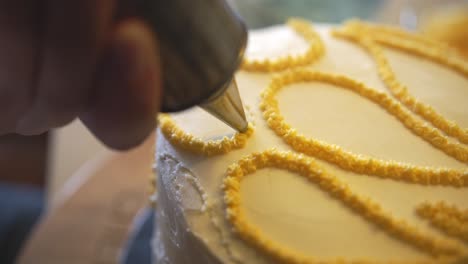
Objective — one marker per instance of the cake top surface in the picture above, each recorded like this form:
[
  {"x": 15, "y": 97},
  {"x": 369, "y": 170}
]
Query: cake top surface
[{"x": 357, "y": 148}]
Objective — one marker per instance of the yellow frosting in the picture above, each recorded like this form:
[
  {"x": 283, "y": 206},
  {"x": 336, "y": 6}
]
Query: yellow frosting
[
  {"x": 196, "y": 145},
  {"x": 359, "y": 163},
  {"x": 368, "y": 35},
  {"x": 306, "y": 167},
  {"x": 314, "y": 52},
  {"x": 448, "y": 218},
  {"x": 449, "y": 27}
]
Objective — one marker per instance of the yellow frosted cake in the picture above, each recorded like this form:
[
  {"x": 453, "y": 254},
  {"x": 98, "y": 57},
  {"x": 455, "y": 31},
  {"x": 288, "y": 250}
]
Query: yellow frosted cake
[{"x": 357, "y": 152}]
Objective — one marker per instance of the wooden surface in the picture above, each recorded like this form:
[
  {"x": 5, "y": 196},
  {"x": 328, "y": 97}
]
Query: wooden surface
[{"x": 98, "y": 204}]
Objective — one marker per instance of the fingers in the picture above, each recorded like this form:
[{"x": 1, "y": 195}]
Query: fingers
[
  {"x": 74, "y": 34},
  {"x": 47, "y": 70},
  {"x": 19, "y": 37},
  {"x": 128, "y": 89}
]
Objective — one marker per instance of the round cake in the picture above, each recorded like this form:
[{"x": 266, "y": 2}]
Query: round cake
[{"x": 357, "y": 152}]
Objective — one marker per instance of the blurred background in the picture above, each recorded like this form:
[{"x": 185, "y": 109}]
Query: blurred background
[{"x": 44, "y": 177}]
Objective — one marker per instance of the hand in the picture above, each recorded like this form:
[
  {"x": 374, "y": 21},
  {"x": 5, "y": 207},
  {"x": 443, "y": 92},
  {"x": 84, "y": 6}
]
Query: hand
[{"x": 60, "y": 60}]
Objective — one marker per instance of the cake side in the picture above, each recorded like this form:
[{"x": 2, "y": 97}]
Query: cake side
[
  {"x": 173, "y": 240},
  {"x": 288, "y": 208}
]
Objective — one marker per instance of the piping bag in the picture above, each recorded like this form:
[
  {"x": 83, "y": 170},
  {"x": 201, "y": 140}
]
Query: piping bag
[{"x": 201, "y": 43}]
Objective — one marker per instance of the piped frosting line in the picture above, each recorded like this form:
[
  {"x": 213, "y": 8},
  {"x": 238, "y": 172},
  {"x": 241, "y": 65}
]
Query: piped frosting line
[
  {"x": 447, "y": 218},
  {"x": 174, "y": 134},
  {"x": 314, "y": 52},
  {"x": 355, "y": 162},
  {"x": 397, "y": 32},
  {"x": 367, "y": 36},
  {"x": 363, "y": 206},
  {"x": 449, "y": 210}
]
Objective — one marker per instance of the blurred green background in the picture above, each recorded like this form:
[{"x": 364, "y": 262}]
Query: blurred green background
[{"x": 261, "y": 13}]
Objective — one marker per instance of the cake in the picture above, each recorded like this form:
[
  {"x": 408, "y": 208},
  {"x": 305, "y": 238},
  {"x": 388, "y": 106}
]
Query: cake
[
  {"x": 449, "y": 26},
  {"x": 356, "y": 152}
]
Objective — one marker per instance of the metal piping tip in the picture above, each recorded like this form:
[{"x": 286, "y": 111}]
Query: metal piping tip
[{"x": 228, "y": 108}]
